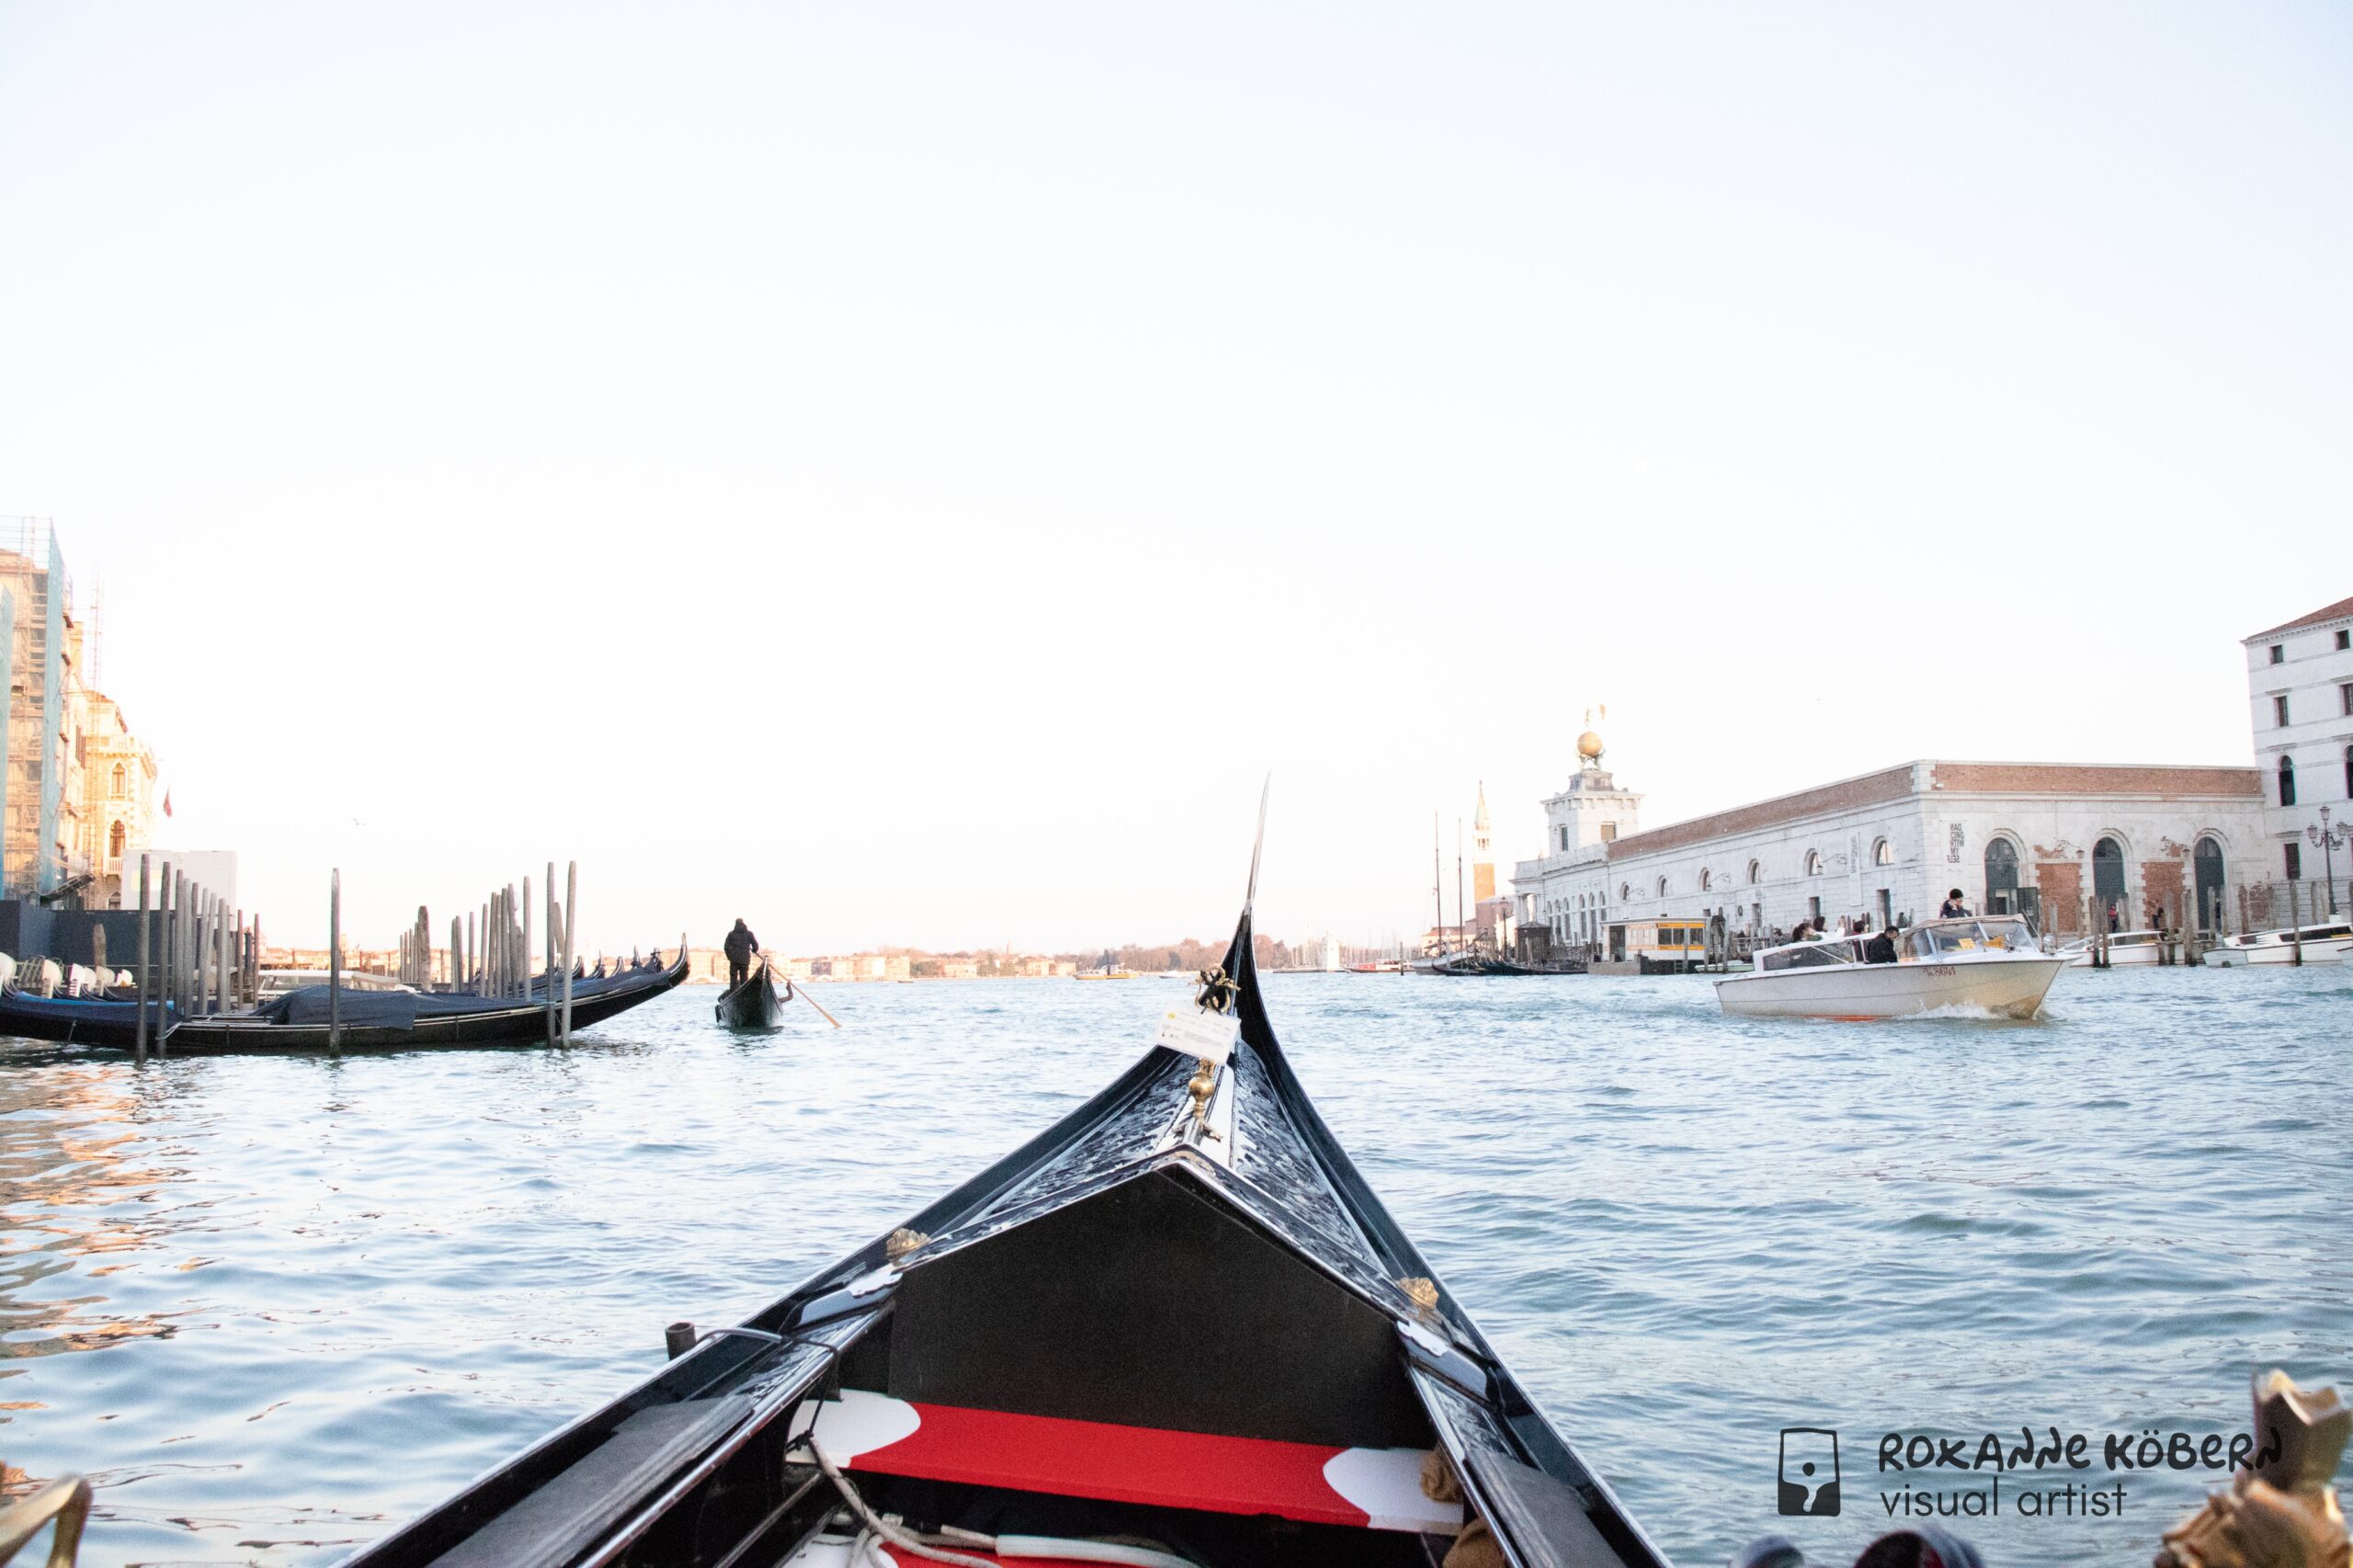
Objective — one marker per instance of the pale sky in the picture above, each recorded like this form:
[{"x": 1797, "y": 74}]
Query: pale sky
[{"x": 903, "y": 472}]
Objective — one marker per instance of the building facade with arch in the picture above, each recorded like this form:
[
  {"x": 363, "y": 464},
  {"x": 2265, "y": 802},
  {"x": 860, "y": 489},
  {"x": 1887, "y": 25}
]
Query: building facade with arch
[
  {"x": 117, "y": 809},
  {"x": 1886, "y": 846},
  {"x": 2300, "y": 700}
]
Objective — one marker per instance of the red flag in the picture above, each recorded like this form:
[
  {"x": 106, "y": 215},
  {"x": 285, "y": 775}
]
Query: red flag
[{"x": 167, "y": 801}]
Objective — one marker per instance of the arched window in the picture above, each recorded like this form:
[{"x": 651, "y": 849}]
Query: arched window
[
  {"x": 1755, "y": 872},
  {"x": 116, "y": 838},
  {"x": 1707, "y": 879},
  {"x": 1814, "y": 862},
  {"x": 121, "y": 778},
  {"x": 2207, "y": 862},
  {"x": 2108, "y": 871},
  {"x": 2001, "y": 876},
  {"x": 2287, "y": 781},
  {"x": 1883, "y": 853},
  {"x": 1625, "y": 891},
  {"x": 1662, "y": 887}
]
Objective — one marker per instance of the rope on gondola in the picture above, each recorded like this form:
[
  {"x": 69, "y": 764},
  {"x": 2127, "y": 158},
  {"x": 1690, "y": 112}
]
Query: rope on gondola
[
  {"x": 933, "y": 1548},
  {"x": 903, "y": 1539}
]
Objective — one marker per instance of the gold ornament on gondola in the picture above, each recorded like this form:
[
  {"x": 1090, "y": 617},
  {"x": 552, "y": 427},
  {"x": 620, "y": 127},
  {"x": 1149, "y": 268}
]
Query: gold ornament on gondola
[
  {"x": 902, "y": 1241},
  {"x": 1217, "y": 991},
  {"x": 1201, "y": 1085}
]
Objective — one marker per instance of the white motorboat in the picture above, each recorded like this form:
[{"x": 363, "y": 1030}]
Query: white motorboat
[
  {"x": 2123, "y": 948},
  {"x": 1987, "y": 963},
  {"x": 2328, "y": 943}
]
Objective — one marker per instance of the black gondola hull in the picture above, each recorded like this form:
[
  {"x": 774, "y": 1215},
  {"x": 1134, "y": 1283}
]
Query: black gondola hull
[
  {"x": 114, "y": 1025},
  {"x": 1136, "y": 1271},
  {"x": 754, "y": 1004}
]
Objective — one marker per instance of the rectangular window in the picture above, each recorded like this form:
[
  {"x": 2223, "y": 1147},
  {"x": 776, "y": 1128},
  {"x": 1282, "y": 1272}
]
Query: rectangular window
[
  {"x": 1609, "y": 833},
  {"x": 2280, "y": 709},
  {"x": 2279, "y": 654},
  {"x": 2344, "y": 696},
  {"x": 2344, "y": 639},
  {"x": 2295, "y": 853}
]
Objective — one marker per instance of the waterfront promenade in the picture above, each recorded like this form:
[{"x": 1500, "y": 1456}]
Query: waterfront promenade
[{"x": 273, "y": 1307}]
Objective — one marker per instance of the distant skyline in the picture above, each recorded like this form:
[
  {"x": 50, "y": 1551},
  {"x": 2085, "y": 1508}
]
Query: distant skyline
[{"x": 904, "y": 476}]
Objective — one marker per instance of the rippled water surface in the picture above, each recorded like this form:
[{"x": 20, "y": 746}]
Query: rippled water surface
[{"x": 272, "y": 1307}]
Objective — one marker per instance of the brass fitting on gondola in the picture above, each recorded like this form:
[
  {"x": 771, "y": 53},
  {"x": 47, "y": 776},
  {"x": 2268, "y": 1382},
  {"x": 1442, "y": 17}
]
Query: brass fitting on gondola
[
  {"x": 902, "y": 1241},
  {"x": 1202, "y": 1084},
  {"x": 1422, "y": 1292}
]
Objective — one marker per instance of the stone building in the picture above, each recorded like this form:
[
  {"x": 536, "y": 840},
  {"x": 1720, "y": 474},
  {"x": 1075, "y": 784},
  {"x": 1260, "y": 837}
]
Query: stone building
[
  {"x": 117, "y": 812},
  {"x": 77, "y": 796},
  {"x": 1886, "y": 846},
  {"x": 2300, "y": 696}
]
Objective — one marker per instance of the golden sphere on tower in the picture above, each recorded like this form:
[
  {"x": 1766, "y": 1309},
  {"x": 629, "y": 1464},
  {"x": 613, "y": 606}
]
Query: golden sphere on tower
[{"x": 1589, "y": 746}]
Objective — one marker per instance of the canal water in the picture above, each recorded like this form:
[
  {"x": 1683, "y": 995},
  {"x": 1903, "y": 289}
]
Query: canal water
[{"x": 273, "y": 1307}]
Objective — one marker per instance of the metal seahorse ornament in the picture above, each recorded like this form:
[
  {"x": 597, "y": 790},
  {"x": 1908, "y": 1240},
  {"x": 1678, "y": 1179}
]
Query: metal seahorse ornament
[{"x": 1217, "y": 991}]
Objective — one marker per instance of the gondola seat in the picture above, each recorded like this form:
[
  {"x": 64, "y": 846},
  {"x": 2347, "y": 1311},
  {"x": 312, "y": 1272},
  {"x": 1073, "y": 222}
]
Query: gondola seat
[{"x": 1312, "y": 1483}]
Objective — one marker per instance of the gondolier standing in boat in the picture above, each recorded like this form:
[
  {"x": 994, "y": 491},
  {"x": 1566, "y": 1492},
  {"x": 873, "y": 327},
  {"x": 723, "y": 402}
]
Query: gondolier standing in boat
[{"x": 740, "y": 945}]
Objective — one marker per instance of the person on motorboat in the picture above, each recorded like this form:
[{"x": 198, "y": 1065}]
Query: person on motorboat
[
  {"x": 1804, "y": 933},
  {"x": 740, "y": 945},
  {"x": 1880, "y": 947},
  {"x": 1953, "y": 909}
]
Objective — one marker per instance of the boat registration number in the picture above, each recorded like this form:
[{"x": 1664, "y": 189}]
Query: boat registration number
[{"x": 1943, "y": 969}]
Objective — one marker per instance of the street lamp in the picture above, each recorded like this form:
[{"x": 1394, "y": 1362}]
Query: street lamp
[{"x": 2329, "y": 839}]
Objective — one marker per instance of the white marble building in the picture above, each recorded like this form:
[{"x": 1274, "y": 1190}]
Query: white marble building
[
  {"x": 1887, "y": 845},
  {"x": 2300, "y": 699}
]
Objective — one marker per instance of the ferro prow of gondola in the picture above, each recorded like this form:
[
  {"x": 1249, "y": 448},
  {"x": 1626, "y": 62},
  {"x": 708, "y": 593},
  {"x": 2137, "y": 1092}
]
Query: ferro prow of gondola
[{"x": 1178, "y": 1317}]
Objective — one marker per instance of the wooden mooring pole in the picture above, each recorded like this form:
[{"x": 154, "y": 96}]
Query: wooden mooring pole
[
  {"x": 163, "y": 961},
  {"x": 571, "y": 937},
  {"x": 139, "y": 1035},
  {"x": 335, "y": 962},
  {"x": 554, "y": 920}
]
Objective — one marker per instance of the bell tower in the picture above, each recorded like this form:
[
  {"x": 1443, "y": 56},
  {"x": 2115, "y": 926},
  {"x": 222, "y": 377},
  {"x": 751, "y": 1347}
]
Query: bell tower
[{"x": 1482, "y": 852}]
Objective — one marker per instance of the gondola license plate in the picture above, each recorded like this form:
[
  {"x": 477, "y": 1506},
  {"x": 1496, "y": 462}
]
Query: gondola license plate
[{"x": 1193, "y": 1032}]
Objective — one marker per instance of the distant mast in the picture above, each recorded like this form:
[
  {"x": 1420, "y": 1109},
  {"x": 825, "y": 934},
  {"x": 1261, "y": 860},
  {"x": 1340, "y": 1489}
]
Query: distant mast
[
  {"x": 1437, "y": 882},
  {"x": 1462, "y": 920}
]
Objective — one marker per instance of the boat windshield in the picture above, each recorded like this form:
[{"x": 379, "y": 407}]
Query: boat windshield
[
  {"x": 1944, "y": 938},
  {"x": 1809, "y": 955}
]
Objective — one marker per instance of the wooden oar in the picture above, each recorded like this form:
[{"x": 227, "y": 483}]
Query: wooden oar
[{"x": 769, "y": 964}]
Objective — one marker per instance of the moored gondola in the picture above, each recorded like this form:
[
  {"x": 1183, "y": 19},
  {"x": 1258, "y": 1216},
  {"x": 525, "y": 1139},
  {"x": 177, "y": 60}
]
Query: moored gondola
[
  {"x": 369, "y": 1020},
  {"x": 1176, "y": 1328},
  {"x": 753, "y": 1003}
]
